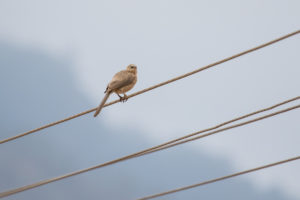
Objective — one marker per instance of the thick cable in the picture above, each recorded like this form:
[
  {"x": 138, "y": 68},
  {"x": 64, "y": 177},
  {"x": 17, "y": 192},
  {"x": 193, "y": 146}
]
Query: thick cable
[{"x": 155, "y": 86}]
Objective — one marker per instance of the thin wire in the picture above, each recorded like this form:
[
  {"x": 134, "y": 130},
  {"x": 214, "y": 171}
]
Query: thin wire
[
  {"x": 173, "y": 142},
  {"x": 221, "y": 178},
  {"x": 223, "y": 129},
  {"x": 155, "y": 86},
  {"x": 147, "y": 151}
]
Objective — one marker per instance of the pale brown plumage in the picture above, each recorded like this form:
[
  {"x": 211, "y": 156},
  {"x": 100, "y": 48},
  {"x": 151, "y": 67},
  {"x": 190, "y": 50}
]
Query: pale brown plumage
[{"x": 121, "y": 83}]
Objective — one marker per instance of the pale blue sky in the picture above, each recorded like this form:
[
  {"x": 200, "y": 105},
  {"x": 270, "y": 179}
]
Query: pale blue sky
[{"x": 168, "y": 38}]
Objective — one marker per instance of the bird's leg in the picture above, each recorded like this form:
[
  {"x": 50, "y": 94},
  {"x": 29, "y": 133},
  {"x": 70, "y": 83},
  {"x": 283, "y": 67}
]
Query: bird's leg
[
  {"x": 120, "y": 97},
  {"x": 124, "y": 98}
]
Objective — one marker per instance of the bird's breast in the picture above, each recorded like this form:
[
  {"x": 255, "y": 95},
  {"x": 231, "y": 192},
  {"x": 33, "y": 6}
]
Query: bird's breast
[{"x": 126, "y": 88}]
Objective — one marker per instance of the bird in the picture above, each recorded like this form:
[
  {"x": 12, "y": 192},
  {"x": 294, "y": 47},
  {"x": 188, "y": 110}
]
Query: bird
[{"x": 121, "y": 83}]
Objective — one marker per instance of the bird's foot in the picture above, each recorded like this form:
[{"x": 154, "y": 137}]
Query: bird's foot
[{"x": 123, "y": 98}]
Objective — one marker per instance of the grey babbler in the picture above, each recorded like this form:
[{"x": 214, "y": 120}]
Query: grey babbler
[{"x": 121, "y": 83}]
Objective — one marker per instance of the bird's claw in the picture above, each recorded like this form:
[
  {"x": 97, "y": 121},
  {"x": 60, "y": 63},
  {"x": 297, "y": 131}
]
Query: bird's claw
[{"x": 124, "y": 98}]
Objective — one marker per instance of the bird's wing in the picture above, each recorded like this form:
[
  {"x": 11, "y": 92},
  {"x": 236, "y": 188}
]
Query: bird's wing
[{"x": 121, "y": 79}]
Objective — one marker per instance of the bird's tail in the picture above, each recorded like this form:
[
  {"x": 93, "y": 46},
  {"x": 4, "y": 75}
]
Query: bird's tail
[{"x": 102, "y": 103}]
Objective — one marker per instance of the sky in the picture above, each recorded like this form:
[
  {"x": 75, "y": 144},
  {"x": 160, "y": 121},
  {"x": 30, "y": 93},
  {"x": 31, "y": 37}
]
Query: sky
[{"x": 166, "y": 39}]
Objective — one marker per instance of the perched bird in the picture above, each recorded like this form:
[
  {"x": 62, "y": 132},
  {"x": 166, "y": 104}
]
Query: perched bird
[{"x": 121, "y": 83}]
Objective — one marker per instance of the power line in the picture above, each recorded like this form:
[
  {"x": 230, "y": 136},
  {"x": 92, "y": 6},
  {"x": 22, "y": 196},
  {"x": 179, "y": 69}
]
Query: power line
[
  {"x": 221, "y": 178},
  {"x": 221, "y": 130},
  {"x": 155, "y": 86},
  {"x": 181, "y": 139},
  {"x": 140, "y": 153},
  {"x": 151, "y": 150}
]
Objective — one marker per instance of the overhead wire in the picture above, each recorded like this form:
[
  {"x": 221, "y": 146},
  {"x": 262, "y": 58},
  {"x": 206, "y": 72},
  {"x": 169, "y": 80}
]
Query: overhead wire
[
  {"x": 185, "y": 139},
  {"x": 220, "y": 178},
  {"x": 147, "y": 151},
  {"x": 155, "y": 86}
]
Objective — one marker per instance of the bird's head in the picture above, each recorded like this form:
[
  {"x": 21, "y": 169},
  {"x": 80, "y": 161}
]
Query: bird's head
[{"x": 132, "y": 68}]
